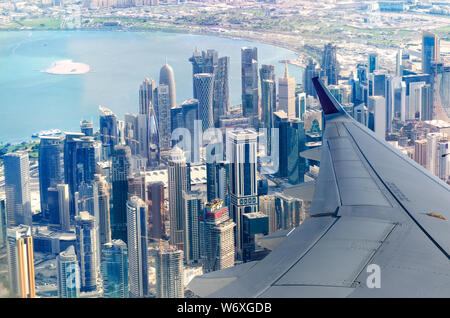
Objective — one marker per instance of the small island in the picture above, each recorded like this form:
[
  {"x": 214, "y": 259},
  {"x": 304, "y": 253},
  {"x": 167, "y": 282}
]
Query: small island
[{"x": 66, "y": 67}]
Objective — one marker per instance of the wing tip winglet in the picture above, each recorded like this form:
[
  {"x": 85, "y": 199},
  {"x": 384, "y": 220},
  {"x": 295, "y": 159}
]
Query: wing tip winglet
[{"x": 329, "y": 104}]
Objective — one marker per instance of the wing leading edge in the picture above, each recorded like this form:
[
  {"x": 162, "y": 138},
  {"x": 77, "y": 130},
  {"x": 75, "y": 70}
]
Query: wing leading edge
[{"x": 370, "y": 207}]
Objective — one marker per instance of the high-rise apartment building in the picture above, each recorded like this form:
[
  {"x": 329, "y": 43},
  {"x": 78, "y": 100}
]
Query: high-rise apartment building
[
  {"x": 430, "y": 51},
  {"x": 114, "y": 268},
  {"x": 420, "y": 152},
  {"x": 51, "y": 170},
  {"x": 71, "y": 167},
  {"x": 242, "y": 155},
  {"x": 68, "y": 274},
  {"x": 86, "y": 250},
  {"x": 443, "y": 169},
  {"x": 432, "y": 152},
  {"x": 177, "y": 183},
  {"x": 169, "y": 272},
  {"x": 21, "y": 262},
  {"x": 3, "y": 237},
  {"x": 292, "y": 141},
  {"x": 109, "y": 130},
  {"x": 103, "y": 206},
  {"x": 249, "y": 78},
  {"x": 330, "y": 65},
  {"x": 218, "y": 233},
  {"x": 164, "y": 106},
  {"x": 254, "y": 225},
  {"x": 289, "y": 212},
  {"x": 137, "y": 247},
  {"x": 267, "y": 207},
  {"x": 193, "y": 206},
  {"x": 377, "y": 115},
  {"x": 87, "y": 128},
  {"x": 17, "y": 188},
  {"x": 120, "y": 172},
  {"x": 156, "y": 211},
  {"x": 217, "y": 181},
  {"x": 373, "y": 62},
  {"x": 58, "y": 206}
]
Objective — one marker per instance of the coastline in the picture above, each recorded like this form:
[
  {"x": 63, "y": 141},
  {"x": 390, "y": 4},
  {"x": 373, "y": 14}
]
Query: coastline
[
  {"x": 208, "y": 34},
  {"x": 301, "y": 54}
]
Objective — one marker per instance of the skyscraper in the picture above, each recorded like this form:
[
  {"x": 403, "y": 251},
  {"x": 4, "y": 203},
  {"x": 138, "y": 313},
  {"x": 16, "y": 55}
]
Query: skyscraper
[
  {"x": 432, "y": 152},
  {"x": 300, "y": 105},
  {"x": 71, "y": 167},
  {"x": 373, "y": 62},
  {"x": 147, "y": 122},
  {"x": 86, "y": 128},
  {"x": 203, "y": 83},
  {"x": 330, "y": 65},
  {"x": 311, "y": 71},
  {"x": 420, "y": 152},
  {"x": 377, "y": 115},
  {"x": 430, "y": 51},
  {"x": 86, "y": 250},
  {"x": 178, "y": 182},
  {"x": 147, "y": 96},
  {"x": 254, "y": 224},
  {"x": 21, "y": 262},
  {"x": 109, "y": 130},
  {"x": 120, "y": 172},
  {"x": 167, "y": 77},
  {"x": 137, "y": 247},
  {"x": 17, "y": 188},
  {"x": 58, "y": 206},
  {"x": 249, "y": 78},
  {"x": 156, "y": 211},
  {"x": 136, "y": 186},
  {"x": 292, "y": 141},
  {"x": 221, "y": 96},
  {"x": 267, "y": 206},
  {"x": 286, "y": 93},
  {"x": 79, "y": 164},
  {"x": 218, "y": 240},
  {"x": 3, "y": 238},
  {"x": 217, "y": 181},
  {"x": 268, "y": 101},
  {"x": 442, "y": 170},
  {"x": 103, "y": 201},
  {"x": 209, "y": 62},
  {"x": 131, "y": 133},
  {"x": 68, "y": 274},
  {"x": 268, "y": 95},
  {"x": 190, "y": 116},
  {"x": 242, "y": 155},
  {"x": 377, "y": 84},
  {"x": 114, "y": 266},
  {"x": 289, "y": 212},
  {"x": 193, "y": 207},
  {"x": 164, "y": 121},
  {"x": 169, "y": 272},
  {"x": 50, "y": 167}
]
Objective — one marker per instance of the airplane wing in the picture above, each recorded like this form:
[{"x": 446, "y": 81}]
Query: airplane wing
[{"x": 374, "y": 212}]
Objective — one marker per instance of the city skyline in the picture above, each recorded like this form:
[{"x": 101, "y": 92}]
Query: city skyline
[{"x": 172, "y": 199}]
